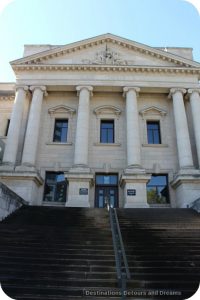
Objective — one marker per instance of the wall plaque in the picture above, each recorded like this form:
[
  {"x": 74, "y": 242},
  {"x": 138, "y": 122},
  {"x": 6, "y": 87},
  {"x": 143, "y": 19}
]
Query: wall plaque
[
  {"x": 131, "y": 192},
  {"x": 83, "y": 191}
]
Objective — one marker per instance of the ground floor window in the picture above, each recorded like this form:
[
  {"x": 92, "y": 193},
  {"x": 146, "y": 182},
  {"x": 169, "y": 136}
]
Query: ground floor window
[
  {"x": 55, "y": 187},
  {"x": 157, "y": 189}
]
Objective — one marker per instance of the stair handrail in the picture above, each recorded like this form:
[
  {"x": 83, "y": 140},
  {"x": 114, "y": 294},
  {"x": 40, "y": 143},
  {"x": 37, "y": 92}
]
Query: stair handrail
[{"x": 121, "y": 262}]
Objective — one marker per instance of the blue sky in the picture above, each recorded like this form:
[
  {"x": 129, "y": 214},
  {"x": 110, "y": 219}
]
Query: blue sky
[{"x": 152, "y": 22}]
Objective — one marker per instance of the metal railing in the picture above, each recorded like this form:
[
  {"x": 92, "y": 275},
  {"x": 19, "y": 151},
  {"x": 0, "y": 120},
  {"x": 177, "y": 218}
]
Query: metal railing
[{"x": 120, "y": 256}]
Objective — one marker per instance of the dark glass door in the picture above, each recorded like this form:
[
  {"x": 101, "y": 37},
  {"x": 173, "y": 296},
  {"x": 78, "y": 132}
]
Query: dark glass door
[
  {"x": 106, "y": 190},
  {"x": 104, "y": 194},
  {"x": 55, "y": 187}
]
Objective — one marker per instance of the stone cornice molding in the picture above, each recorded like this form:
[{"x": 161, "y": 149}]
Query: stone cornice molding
[
  {"x": 108, "y": 68},
  {"x": 126, "y": 89},
  {"x": 7, "y": 97},
  {"x": 105, "y": 39},
  {"x": 84, "y": 87},
  {"x": 61, "y": 109},
  {"x": 107, "y": 109},
  {"x": 38, "y": 87},
  {"x": 175, "y": 90}
]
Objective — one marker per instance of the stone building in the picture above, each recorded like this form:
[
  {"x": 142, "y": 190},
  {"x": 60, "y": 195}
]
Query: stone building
[{"x": 103, "y": 118}]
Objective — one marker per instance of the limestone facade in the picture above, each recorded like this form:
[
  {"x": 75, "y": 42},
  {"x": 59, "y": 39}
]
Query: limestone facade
[{"x": 84, "y": 85}]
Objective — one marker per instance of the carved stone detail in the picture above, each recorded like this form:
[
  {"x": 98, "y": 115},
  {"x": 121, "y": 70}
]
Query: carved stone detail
[{"x": 106, "y": 57}]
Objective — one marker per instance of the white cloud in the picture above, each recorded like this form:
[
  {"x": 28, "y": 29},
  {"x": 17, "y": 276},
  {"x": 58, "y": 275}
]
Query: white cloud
[
  {"x": 196, "y": 3},
  {"x": 4, "y": 3}
]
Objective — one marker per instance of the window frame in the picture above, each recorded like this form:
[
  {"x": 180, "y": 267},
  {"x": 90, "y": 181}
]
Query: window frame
[
  {"x": 61, "y": 120},
  {"x": 158, "y": 130},
  {"x": 108, "y": 121},
  {"x": 157, "y": 186}
]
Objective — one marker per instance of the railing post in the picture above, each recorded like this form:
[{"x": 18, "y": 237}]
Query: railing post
[{"x": 120, "y": 256}]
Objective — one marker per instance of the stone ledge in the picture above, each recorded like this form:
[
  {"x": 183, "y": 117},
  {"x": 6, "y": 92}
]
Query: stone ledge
[
  {"x": 58, "y": 144},
  {"x": 155, "y": 145},
  {"x": 107, "y": 144},
  {"x": 22, "y": 176}
]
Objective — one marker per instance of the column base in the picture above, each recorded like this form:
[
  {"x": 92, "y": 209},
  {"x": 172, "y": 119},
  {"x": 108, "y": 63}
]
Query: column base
[
  {"x": 79, "y": 183},
  {"x": 134, "y": 185},
  {"x": 187, "y": 186},
  {"x": 26, "y": 185}
]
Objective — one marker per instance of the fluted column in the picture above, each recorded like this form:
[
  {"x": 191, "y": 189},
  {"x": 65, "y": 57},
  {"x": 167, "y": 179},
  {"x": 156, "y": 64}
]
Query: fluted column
[
  {"x": 181, "y": 126},
  {"x": 32, "y": 131},
  {"x": 11, "y": 148},
  {"x": 132, "y": 127},
  {"x": 82, "y": 128},
  {"x": 195, "y": 106}
]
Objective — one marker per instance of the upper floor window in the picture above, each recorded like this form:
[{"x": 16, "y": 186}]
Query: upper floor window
[
  {"x": 107, "y": 131},
  {"x": 157, "y": 189},
  {"x": 7, "y": 127},
  {"x": 153, "y": 132},
  {"x": 60, "y": 131}
]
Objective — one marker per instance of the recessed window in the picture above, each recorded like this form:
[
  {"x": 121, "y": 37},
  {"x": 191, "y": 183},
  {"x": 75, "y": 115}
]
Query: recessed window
[
  {"x": 7, "y": 127},
  {"x": 55, "y": 187},
  {"x": 157, "y": 190},
  {"x": 107, "y": 131},
  {"x": 60, "y": 131},
  {"x": 153, "y": 132}
]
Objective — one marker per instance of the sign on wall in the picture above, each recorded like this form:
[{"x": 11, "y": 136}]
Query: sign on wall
[
  {"x": 83, "y": 191},
  {"x": 131, "y": 192}
]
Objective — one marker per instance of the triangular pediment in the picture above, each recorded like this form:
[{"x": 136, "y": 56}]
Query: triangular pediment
[
  {"x": 153, "y": 110},
  {"x": 106, "y": 49}
]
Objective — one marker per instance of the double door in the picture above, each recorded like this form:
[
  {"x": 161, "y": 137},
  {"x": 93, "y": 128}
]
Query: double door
[{"x": 105, "y": 194}]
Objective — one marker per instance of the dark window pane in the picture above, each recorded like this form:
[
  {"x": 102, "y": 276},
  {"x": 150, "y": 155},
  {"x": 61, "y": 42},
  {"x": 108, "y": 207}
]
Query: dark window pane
[
  {"x": 157, "y": 189},
  {"x": 153, "y": 132},
  {"x": 55, "y": 187},
  {"x": 7, "y": 127},
  {"x": 60, "y": 131},
  {"x": 107, "y": 131},
  {"x": 106, "y": 179}
]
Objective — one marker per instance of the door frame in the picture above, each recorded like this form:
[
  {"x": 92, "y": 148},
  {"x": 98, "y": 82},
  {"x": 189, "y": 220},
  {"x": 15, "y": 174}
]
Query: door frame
[{"x": 105, "y": 186}]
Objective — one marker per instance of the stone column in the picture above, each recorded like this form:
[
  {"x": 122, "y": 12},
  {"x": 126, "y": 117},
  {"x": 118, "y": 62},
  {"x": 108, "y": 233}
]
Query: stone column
[
  {"x": 82, "y": 128},
  {"x": 32, "y": 131},
  {"x": 181, "y": 126},
  {"x": 11, "y": 148},
  {"x": 195, "y": 106},
  {"x": 132, "y": 128}
]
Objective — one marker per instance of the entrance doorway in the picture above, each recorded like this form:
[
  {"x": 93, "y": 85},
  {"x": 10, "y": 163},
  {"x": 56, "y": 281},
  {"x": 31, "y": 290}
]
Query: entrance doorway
[{"x": 106, "y": 190}]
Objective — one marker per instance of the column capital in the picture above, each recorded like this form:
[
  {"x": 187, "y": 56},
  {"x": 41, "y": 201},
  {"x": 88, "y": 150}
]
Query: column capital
[
  {"x": 89, "y": 88},
  {"x": 126, "y": 89},
  {"x": 21, "y": 87},
  {"x": 42, "y": 88},
  {"x": 175, "y": 90},
  {"x": 195, "y": 90}
]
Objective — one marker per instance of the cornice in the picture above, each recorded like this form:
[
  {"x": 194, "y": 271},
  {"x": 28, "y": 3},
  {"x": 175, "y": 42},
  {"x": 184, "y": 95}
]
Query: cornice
[
  {"x": 108, "y": 68},
  {"x": 102, "y": 39}
]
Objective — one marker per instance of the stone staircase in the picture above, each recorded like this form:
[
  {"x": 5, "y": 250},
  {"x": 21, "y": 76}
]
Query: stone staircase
[
  {"x": 56, "y": 253},
  {"x": 67, "y": 253},
  {"x": 163, "y": 250}
]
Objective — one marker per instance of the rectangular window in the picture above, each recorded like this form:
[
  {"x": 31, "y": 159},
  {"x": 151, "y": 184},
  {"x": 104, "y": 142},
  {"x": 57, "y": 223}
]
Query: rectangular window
[
  {"x": 107, "y": 131},
  {"x": 157, "y": 190},
  {"x": 153, "y": 132},
  {"x": 55, "y": 187},
  {"x": 7, "y": 127},
  {"x": 60, "y": 131}
]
